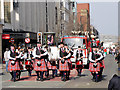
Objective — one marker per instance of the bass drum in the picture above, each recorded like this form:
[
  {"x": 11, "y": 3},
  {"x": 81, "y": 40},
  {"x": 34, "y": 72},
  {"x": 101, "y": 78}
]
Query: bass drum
[{"x": 27, "y": 63}]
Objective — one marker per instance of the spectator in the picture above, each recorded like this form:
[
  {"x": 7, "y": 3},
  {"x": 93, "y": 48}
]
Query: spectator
[
  {"x": 114, "y": 83},
  {"x": 6, "y": 58}
]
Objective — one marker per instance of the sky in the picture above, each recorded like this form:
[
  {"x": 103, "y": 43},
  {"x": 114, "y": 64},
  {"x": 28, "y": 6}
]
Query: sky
[{"x": 104, "y": 17}]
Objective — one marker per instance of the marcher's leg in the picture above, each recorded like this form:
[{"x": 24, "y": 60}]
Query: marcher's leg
[
  {"x": 11, "y": 73},
  {"x": 14, "y": 73},
  {"x": 37, "y": 72},
  {"x": 41, "y": 75},
  {"x": 6, "y": 66}
]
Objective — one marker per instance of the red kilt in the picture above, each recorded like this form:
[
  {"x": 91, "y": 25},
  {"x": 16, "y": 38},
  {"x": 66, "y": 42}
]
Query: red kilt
[
  {"x": 50, "y": 66},
  {"x": 40, "y": 68},
  {"x": 13, "y": 67},
  {"x": 63, "y": 67},
  {"x": 102, "y": 64},
  {"x": 79, "y": 65},
  {"x": 92, "y": 69},
  {"x": 69, "y": 64}
]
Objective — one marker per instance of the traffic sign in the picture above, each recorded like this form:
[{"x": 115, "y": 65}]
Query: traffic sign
[{"x": 27, "y": 40}]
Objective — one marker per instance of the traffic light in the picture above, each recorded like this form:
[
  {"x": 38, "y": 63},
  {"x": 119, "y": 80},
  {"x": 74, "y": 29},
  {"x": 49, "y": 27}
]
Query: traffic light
[{"x": 39, "y": 37}]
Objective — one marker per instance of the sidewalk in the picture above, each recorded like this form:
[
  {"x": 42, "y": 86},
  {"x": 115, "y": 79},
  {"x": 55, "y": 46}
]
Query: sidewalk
[{"x": 2, "y": 66}]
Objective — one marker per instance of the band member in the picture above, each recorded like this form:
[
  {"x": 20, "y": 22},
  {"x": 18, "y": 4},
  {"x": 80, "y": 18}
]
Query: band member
[
  {"x": 94, "y": 66},
  {"x": 79, "y": 60},
  {"x": 39, "y": 64},
  {"x": 28, "y": 61},
  {"x": 13, "y": 64},
  {"x": 69, "y": 61},
  {"x": 102, "y": 65},
  {"x": 63, "y": 65}
]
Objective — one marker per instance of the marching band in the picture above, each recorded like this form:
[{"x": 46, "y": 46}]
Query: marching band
[{"x": 42, "y": 61}]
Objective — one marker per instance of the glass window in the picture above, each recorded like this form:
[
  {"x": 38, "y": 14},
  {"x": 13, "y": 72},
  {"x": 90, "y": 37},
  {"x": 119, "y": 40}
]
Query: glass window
[{"x": 7, "y": 14}]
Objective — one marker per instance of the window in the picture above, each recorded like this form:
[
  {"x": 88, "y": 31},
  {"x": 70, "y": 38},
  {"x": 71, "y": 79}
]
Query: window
[
  {"x": 7, "y": 14},
  {"x": 56, "y": 20},
  {"x": 62, "y": 16},
  {"x": 61, "y": 4}
]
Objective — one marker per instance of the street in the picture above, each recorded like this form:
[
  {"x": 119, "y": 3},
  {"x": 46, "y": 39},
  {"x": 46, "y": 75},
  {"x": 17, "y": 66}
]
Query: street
[{"x": 76, "y": 82}]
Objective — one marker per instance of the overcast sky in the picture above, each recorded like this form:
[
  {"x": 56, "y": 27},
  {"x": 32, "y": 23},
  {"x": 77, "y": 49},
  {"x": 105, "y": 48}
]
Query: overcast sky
[{"x": 104, "y": 17}]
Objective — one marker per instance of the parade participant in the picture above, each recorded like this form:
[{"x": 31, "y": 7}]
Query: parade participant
[
  {"x": 117, "y": 58},
  {"x": 39, "y": 64},
  {"x": 63, "y": 65},
  {"x": 94, "y": 66},
  {"x": 28, "y": 61},
  {"x": 52, "y": 63},
  {"x": 13, "y": 64},
  {"x": 79, "y": 60},
  {"x": 102, "y": 65},
  {"x": 6, "y": 58},
  {"x": 69, "y": 61}
]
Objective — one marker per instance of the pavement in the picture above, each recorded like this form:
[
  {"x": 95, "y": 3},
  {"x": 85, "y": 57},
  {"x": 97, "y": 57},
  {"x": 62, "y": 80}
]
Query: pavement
[{"x": 75, "y": 82}]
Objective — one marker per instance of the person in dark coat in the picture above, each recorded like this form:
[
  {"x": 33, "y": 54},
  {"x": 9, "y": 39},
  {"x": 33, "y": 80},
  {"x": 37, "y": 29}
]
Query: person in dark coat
[
  {"x": 117, "y": 58},
  {"x": 114, "y": 83}
]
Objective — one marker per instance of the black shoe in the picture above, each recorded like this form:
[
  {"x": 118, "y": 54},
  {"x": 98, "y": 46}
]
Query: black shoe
[
  {"x": 41, "y": 79},
  {"x": 14, "y": 80},
  {"x": 37, "y": 79},
  {"x": 62, "y": 79},
  {"x": 68, "y": 78},
  {"x": 53, "y": 76},
  {"x": 11, "y": 79}
]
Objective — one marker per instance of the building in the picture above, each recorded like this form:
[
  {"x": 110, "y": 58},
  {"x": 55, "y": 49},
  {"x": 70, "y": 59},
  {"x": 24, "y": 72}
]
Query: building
[
  {"x": 83, "y": 16},
  {"x": 25, "y": 19},
  {"x": 109, "y": 38}
]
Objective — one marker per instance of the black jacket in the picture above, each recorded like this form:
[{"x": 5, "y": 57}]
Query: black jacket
[
  {"x": 114, "y": 83},
  {"x": 118, "y": 57}
]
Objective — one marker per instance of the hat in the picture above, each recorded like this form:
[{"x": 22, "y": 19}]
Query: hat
[
  {"x": 38, "y": 42},
  {"x": 79, "y": 46},
  {"x": 12, "y": 45},
  {"x": 65, "y": 44},
  {"x": 61, "y": 43},
  {"x": 29, "y": 48}
]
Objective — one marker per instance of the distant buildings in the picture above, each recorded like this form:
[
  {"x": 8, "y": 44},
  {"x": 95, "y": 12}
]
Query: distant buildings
[{"x": 83, "y": 15}]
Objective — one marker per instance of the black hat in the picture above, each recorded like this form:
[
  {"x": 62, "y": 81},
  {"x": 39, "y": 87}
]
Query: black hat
[
  {"x": 29, "y": 48},
  {"x": 38, "y": 42},
  {"x": 79, "y": 46},
  {"x": 65, "y": 44},
  {"x": 61, "y": 43},
  {"x": 46, "y": 46},
  {"x": 12, "y": 45}
]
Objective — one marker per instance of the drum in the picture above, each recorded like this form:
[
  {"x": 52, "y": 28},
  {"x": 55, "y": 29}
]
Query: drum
[{"x": 27, "y": 62}]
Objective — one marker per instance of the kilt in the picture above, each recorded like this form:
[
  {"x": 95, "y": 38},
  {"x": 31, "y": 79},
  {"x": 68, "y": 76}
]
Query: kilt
[
  {"x": 69, "y": 64},
  {"x": 63, "y": 67},
  {"x": 51, "y": 66},
  {"x": 13, "y": 67},
  {"x": 92, "y": 69},
  {"x": 102, "y": 64},
  {"x": 43, "y": 66}
]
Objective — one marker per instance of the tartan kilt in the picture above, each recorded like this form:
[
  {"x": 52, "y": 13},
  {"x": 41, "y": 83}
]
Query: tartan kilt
[
  {"x": 13, "y": 67},
  {"x": 102, "y": 64},
  {"x": 70, "y": 64},
  {"x": 43, "y": 66},
  {"x": 63, "y": 67},
  {"x": 49, "y": 65},
  {"x": 92, "y": 69}
]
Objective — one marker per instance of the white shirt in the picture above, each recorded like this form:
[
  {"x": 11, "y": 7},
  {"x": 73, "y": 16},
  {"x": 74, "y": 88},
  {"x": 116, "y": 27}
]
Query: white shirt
[{"x": 6, "y": 56}]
